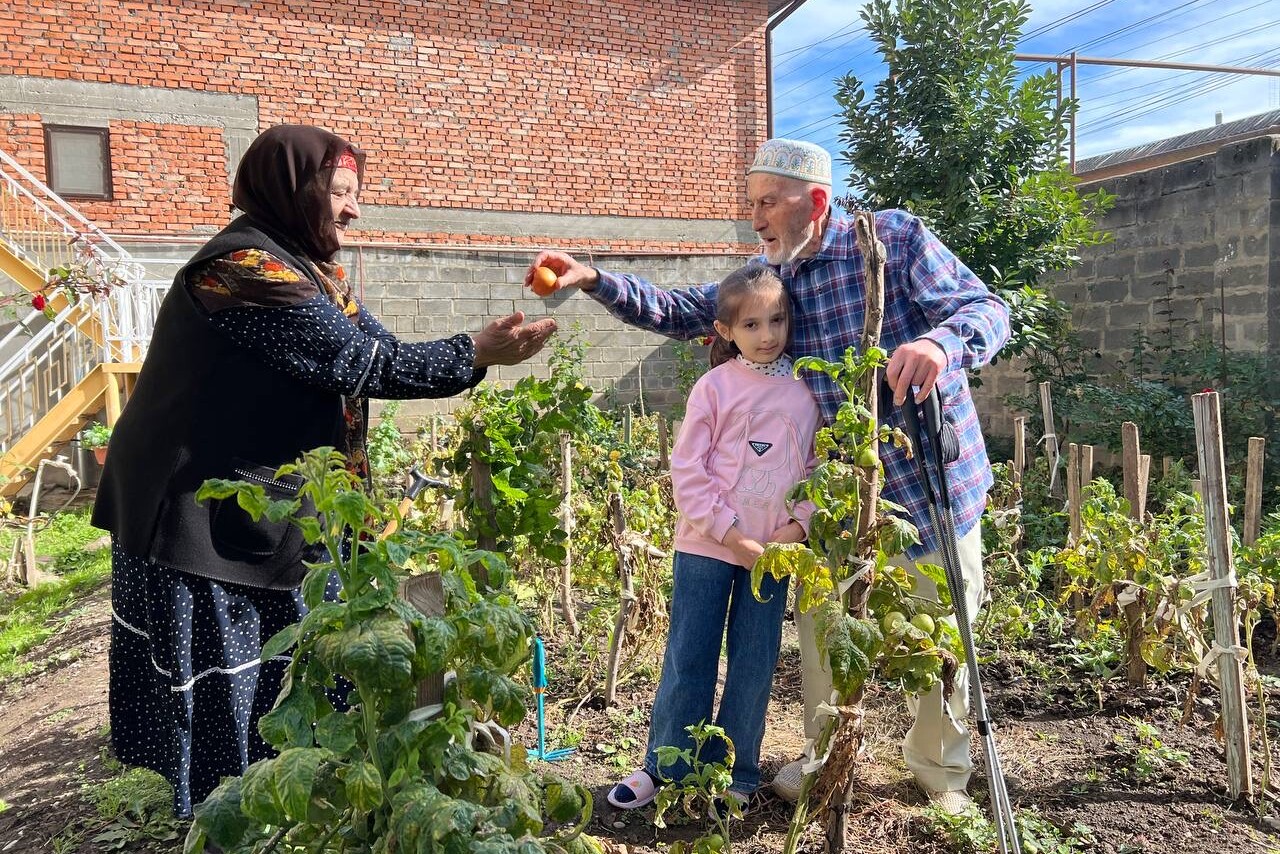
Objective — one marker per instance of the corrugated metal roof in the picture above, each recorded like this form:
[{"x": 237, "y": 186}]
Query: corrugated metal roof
[{"x": 1261, "y": 123}]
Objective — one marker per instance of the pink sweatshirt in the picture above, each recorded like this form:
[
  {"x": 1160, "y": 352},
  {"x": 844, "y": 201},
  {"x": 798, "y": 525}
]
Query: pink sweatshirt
[{"x": 747, "y": 438}]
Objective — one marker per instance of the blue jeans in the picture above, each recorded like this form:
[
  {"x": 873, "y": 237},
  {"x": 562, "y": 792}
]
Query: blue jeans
[{"x": 703, "y": 592}]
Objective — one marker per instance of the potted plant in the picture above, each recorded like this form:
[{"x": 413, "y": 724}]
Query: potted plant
[{"x": 95, "y": 438}]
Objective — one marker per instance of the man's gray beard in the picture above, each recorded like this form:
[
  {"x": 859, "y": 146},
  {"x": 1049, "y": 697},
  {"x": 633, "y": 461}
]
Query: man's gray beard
[{"x": 793, "y": 253}]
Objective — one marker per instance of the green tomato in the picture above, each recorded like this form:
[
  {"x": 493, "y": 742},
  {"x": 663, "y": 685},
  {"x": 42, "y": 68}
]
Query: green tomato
[
  {"x": 894, "y": 622},
  {"x": 868, "y": 458},
  {"x": 924, "y": 623},
  {"x": 1014, "y": 611}
]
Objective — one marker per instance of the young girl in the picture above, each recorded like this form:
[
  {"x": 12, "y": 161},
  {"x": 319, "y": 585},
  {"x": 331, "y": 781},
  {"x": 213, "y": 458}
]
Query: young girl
[{"x": 747, "y": 439}]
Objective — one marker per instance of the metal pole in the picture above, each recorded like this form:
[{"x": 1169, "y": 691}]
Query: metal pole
[
  {"x": 1074, "y": 60},
  {"x": 1058, "y": 103}
]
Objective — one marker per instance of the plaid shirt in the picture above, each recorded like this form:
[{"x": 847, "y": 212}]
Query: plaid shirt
[{"x": 929, "y": 293}]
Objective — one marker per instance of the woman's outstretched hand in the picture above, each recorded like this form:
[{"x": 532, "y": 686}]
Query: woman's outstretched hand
[{"x": 510, "y": 341}]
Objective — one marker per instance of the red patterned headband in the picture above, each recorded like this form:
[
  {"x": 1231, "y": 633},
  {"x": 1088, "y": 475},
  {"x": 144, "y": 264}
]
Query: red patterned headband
[{"x": 346, "y": 160}]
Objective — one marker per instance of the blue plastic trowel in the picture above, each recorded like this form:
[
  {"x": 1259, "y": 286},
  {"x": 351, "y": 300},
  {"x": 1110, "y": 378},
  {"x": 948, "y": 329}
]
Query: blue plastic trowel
[{"x": 540, "y": 691}]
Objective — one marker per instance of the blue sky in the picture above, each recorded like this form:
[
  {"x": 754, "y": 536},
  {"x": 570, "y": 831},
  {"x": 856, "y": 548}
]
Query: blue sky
[{"x": 1118, "y": 107}]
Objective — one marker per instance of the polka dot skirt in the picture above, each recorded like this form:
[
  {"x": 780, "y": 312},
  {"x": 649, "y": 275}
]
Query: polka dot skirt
[{"x": 187, "y": 686}]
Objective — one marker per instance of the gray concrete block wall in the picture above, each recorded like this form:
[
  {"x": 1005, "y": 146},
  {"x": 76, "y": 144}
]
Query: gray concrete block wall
[
  {"x": 1195, "y": 250},
  {"x": 425, "y": 294}
]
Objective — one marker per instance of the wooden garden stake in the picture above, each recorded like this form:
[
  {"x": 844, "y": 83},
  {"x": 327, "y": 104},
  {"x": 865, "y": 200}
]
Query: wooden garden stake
[
  {"x": 640, "y": 383},
  {"x": 1226, "y": 640},
  {"x": 1134, "y": 482},
  {"x": 855, "y": 599},
  {"x": 664, "y": 444},
  {"x": 1086, "y": 466},
  {"x": 626, "y": 426},
  {"x": 1073, "y": 493},
  {"x": 626, "y": 596},
  {"x": 567, "y": 608},
  {"x": 1253, "y": 490},
  {"x": 482, "y": 494},
  {"x": 1144, "y": 478},
  {"x": 1019, "y": 449},
  {"x": 426, "y": 593},
  {"x": 1050, "y": 438},
  {"x": 1134, "y": 612}
]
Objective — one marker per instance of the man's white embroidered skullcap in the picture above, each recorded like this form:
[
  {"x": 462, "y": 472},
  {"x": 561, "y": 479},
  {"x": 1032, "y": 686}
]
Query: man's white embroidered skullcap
[{"x": 794, "y": 158}]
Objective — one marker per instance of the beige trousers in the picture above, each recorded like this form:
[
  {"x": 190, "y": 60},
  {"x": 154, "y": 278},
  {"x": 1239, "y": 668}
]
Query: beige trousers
[{"x": 936, "y": 748}]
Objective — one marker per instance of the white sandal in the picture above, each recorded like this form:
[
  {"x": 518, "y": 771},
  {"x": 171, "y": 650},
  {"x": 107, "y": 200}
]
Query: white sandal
[{"x": 634, "y": 792}]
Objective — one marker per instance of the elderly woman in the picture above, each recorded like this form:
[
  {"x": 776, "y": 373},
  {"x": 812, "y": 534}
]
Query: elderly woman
[{"x": 261, "y": 351}]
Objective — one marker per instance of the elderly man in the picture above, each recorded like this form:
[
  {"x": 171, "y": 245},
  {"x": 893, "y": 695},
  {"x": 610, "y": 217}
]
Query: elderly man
[{"x": 939, "y": 320}]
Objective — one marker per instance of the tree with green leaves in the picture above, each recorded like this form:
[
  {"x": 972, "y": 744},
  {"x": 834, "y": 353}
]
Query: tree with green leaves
[{"x": 951, "y": 135}]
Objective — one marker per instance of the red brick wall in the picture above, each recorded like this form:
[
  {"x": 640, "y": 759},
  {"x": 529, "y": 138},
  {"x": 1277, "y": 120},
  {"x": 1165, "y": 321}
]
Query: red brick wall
[{"x": 580, "y": 107}]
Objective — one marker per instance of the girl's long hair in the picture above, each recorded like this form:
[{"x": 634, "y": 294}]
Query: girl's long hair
[{"x": 746, "y": 284}]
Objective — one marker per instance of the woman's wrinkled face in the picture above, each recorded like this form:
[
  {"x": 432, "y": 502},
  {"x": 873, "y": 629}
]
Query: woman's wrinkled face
[{"x": 343, "y": 189}]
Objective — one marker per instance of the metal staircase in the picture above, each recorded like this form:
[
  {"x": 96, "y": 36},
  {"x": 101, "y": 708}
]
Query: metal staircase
[{"x": 55, "y": 376}]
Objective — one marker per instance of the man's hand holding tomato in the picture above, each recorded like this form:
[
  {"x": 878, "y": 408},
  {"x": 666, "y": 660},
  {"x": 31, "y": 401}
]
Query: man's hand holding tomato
[{"x": 569, "y": 273}]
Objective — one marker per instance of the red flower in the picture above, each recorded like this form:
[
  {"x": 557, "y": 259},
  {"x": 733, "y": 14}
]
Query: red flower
[
  {"x": 706, "y": 340},
  {"x": 38, "y": 302}
]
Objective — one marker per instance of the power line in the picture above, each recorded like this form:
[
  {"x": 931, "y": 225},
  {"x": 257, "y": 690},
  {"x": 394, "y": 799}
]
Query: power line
[
  {"x": 1170, "y": 81},
  {"x": 1193, "y": 48},
  {"x": 823, "y": 40},
  {"x": 1173, "y": 94},
  {"x": 1068, "y": 18},
  {"x": 1135, "y": 26},
  {"x": 847, "y": 40}
]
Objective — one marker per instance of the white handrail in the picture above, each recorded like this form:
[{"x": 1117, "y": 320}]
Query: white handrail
[{"x": 88, "y": 226}]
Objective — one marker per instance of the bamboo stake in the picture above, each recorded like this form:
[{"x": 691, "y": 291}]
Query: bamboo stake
[
  {"x": 1050, "y": 438},
  {"x": 1226, "y": 640},
  {"x": 1073, "y": 493},
  {"x": 1134, "y": 612},
  {"x": 568, "y": 610},
  {"x": 626, "y": 594},
  {"x": 1253, "y": 490}
]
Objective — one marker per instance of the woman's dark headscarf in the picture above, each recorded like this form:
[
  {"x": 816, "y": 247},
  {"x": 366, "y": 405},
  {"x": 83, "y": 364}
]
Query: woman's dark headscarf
[{"x": 283, "y": 185}]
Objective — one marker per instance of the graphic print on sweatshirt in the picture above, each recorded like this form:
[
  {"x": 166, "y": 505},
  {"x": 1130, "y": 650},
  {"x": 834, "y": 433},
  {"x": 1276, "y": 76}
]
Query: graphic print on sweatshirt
[{"x": 771, "y": 459}]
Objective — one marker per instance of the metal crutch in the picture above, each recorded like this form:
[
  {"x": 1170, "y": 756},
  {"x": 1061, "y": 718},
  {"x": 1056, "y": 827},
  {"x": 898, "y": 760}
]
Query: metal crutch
[{"x": 945, "y": 448}]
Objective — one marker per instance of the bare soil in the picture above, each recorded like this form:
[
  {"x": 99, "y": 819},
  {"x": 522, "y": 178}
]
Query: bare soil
[{"x": 1068, "y": 751}]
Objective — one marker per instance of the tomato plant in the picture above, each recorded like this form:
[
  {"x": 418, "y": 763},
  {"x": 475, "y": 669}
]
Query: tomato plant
[
  {"x": 367, "y": 772},
  {"x": 868, "y": 615}
]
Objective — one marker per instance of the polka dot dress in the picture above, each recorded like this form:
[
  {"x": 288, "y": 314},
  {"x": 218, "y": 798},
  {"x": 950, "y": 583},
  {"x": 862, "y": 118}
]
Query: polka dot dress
[{"x": 187, "y": 686}]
